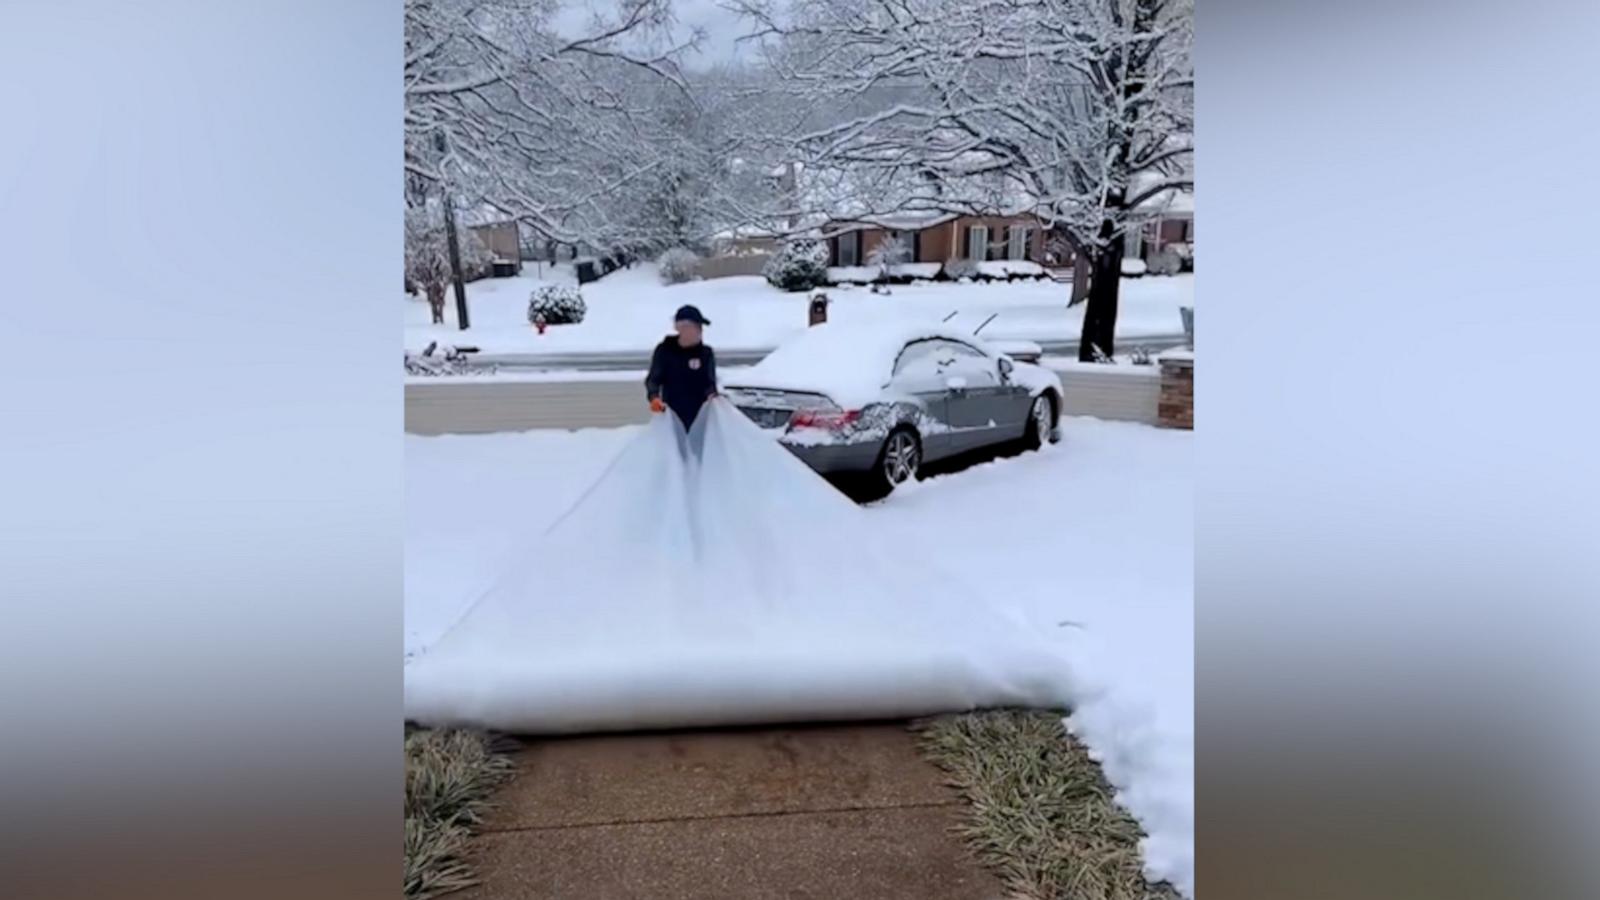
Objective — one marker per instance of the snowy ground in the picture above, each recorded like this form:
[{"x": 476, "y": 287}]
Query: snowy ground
[
  {"x": 1092, "y": 538},
  {"x": 631, "y": 310}
]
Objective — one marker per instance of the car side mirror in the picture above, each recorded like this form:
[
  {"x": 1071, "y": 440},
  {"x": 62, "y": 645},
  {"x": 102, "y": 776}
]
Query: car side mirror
[{"x": 1006, "y": 368}]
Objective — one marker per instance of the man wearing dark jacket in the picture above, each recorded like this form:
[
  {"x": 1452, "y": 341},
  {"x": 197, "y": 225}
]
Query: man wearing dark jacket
[{"x": 683, "y": 370}]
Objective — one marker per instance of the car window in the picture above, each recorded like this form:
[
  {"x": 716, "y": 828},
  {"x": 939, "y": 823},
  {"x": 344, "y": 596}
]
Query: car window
[{"x": 916, "y": 352}]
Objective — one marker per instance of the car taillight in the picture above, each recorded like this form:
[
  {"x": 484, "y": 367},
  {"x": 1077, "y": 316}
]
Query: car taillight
[{"x": 816, "y": 418}]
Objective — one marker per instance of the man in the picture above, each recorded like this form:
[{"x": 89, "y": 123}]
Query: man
[{"x": 683, "y": 370}]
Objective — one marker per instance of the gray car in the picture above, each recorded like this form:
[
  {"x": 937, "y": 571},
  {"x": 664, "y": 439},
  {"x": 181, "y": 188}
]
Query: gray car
[{"x": 872, "y": 405}]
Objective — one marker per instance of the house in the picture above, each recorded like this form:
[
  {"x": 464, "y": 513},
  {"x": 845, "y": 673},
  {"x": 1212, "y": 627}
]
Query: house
[
  {"x": 938, "y": 238},
  {"x": 1170, "y": 228}
]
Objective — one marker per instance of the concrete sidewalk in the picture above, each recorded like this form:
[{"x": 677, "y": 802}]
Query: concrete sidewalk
[{"x": 838, "y": 811}]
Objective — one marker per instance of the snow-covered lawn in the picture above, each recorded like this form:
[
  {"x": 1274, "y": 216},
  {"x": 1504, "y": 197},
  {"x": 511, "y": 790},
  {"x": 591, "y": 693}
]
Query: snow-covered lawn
[
  {"x": 630, "y": 310},
  {"x": 1092, "y": 539}
]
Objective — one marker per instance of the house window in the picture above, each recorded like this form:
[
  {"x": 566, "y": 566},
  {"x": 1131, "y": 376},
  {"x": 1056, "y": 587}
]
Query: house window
[
  {"x": 977, "y": 242},
  {"x": 1020, "y": 245},
  {"x": 1173, "y": 231},
  {"x": 848, "y": 243}
]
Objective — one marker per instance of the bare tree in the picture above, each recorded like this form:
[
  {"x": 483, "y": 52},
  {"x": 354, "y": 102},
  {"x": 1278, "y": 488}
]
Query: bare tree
[
  {"x": 427, "y": 254},
  {"x": 501, "y": 109},
  {"x": 1080, "y": 111}
]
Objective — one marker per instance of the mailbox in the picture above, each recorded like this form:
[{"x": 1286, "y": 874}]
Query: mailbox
[{"x": 818, "y": 312}]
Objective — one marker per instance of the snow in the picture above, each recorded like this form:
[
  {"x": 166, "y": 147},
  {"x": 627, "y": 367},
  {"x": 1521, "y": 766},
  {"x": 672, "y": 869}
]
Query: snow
[
  {"x": 1115, "y": 587},
  {"x": 851, "y": 364},
  {"x": 631, "y": 310},
  {"x": 1134, "y": 267},
  {"x": 869, "y": 274},
  {"x": 1004, "y": 268},
  {"x": 1124, "y": 366},
  {"x": 1176, "y": 355},
  {"x": 544, "y": 375}
]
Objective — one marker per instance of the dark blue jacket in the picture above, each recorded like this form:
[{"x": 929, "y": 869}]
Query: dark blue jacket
[{"x": 682, "y": 376}]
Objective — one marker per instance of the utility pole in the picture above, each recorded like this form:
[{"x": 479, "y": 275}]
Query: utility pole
[{"x": 450, "y": 236}]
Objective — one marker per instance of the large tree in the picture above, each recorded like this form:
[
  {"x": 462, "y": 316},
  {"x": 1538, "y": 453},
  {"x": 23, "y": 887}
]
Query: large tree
[
  {"x": 1080, "y": 111},
  {"x": 504, "y": 108}
]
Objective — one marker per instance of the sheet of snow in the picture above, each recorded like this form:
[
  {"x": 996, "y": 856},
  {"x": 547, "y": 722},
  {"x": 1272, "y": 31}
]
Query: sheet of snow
[
  {"x": 1116, "y": 585},
  {"x": 710, "y": 579},
  {"x": 631, "y": 310}
]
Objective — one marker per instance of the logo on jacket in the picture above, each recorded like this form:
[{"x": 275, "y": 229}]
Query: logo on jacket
[{"x": 694, "y": 363}]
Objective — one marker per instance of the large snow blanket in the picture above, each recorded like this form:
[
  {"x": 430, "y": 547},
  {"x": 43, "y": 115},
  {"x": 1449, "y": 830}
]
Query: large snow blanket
[{"x": 711, "y": 578}]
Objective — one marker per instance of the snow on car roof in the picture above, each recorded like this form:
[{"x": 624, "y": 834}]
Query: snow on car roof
[{"x": 848, "y": 363}]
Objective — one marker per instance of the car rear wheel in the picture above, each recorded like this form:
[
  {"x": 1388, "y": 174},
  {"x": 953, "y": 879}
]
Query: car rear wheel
[
  {"x": 1041, "y": 422},
  {"x": 899, "y": 460}
]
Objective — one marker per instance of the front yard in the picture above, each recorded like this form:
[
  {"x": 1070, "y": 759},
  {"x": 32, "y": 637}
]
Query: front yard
[
  {"x": 1091, "y": 540},
  {"x": 630, "y": 310}
]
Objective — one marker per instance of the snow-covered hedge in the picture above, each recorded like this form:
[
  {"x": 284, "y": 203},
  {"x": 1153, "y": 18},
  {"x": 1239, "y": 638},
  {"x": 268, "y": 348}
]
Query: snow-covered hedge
[
  {"x": 678, "y": 265},
  {"x": 559, "y": 304},
  {"x": 1133, "y": 268},
  {"x": 1009, "y": 269},
  {"x": 902, "y": 273},
  {"x": 799, "y": 265},
  {"x": 957, "y": 269},
  {"x": 1166, "y": 263}
]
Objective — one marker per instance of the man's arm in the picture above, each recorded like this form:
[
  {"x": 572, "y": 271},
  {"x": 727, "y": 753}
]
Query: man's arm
[
  {"x": 711, "y": 371},
  {"x": 652, "y": 378}
]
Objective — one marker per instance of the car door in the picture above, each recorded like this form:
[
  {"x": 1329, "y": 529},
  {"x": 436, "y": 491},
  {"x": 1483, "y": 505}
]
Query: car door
[
  {"x": 919, "y": 374},
  {"x": 976, "y": 395}
]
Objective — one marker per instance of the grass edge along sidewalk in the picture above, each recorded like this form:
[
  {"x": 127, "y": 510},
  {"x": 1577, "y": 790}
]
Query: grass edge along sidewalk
[
  {"x": 450, "y": 774},
  {"x": 1039, "y": 811}
]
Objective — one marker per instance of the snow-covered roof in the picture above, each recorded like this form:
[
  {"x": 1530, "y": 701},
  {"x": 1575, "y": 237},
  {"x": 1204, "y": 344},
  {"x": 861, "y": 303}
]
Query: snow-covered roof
[
  {"x": 899, "y": 221},
  {"x": 743, "y": 231},
  {"x": 481, "y": 215},
  {"x": 850, "y": 364}
]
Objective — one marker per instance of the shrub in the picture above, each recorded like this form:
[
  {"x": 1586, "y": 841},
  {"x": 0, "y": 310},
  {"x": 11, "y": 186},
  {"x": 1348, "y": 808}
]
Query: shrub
[
  {"x": 799, "y": 265},
  {"x": 678, "y": 265},
  {"x": 957, "y": 269},
  {"x": 1166, "y": 263},
  {"x": 1133, "y": 268},
  {"x": 560, "y": 304}
]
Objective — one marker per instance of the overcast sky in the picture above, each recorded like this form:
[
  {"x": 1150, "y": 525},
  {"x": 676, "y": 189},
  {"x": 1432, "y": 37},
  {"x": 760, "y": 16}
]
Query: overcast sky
[{"x": 722, "y": 27}]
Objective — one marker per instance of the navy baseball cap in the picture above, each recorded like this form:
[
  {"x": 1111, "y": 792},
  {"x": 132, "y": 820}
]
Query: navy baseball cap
[{"x": 690, "y": 314}]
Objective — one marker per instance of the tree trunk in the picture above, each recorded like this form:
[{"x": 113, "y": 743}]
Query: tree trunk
[
  {"x": 1080, "y": 278},
  {"x": 1100, "y": 314}
]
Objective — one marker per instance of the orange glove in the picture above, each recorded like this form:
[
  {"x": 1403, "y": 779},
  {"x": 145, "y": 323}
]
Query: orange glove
[{"x": 656, "y": 406}]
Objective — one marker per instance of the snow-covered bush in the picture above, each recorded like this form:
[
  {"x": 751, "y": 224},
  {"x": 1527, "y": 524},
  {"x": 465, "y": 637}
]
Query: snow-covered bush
[
  {"x": 1141, "y": 356},
  {"x": 1166, "y": 263},
  {"x": 957, "y": 269},
  {"x": 1133, "y": 268},
  {"x": 888, "y": 254},
  {"x": 678, "y": 265},
  {"x": 799, "y": 265},
  {"x": 559, "y": 304},
  {"x": 447, "y": 360}
]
